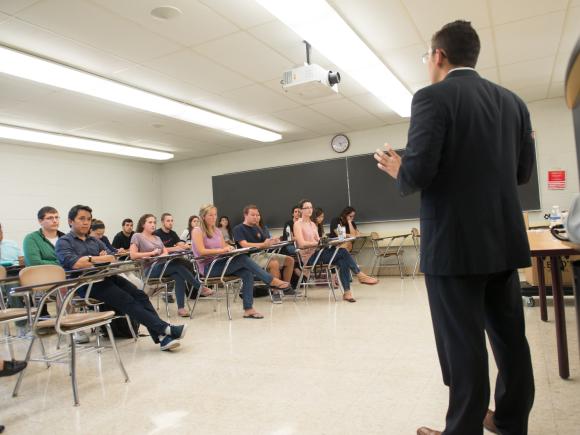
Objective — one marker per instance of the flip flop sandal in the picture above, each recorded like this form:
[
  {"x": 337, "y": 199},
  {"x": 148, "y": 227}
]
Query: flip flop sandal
[{"x": 254, "y": 316}]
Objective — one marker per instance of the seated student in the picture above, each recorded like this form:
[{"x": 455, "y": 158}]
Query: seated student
[
  {"x": 145, "y": 244},
  {"x": 191, "y": 224},
  {"x": 346, "y": 219},
  {"x": 226, "y": 229},
  {"x": 169, "y": 237},
  {"x": 249, "y": 234},
  {"x": 10, "y": 253},
  {"x": 288, "y": 232},
  {"x": 38, "y": 246},
  {"x": 318, "y": 219},
  {"x": 306, "y": 236},
  {"x": 98, "y": 232},
  {"x": 78, "y": 250},
  {"x": 208, "y": 240},
  {"x": 122, "y": 239}
]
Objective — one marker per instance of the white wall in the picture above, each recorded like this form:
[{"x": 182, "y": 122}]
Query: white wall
[
  {"x": 114, "y": 188},
  {"x": 187, "y": 184}
]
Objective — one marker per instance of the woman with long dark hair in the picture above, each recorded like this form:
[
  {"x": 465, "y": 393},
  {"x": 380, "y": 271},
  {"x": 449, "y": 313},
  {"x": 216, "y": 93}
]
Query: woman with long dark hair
[{"x": 306, "y": 236}]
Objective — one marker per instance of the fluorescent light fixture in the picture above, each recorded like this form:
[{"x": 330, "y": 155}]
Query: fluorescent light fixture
[
  {"x": 319, "y": 24},
  {"x": 79, "y": 143},
  {"x": 51, "y": 73}
]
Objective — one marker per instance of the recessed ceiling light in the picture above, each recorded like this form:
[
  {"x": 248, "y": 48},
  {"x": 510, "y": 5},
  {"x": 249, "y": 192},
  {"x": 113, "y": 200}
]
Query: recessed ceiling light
[
  {"x": 50, "y": 73},
  {"x": 79, "y": 143},
  {"x": 166, "y": 12}
]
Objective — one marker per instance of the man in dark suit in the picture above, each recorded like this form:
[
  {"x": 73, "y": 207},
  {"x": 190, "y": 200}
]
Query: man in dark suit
[{"x": 470, "y": 144}]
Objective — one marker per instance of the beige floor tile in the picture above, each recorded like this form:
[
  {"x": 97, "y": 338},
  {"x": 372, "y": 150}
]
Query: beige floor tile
[{"x": 310, "y": 367}]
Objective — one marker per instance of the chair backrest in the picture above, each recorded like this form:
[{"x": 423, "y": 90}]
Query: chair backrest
[
  {"x": 416, "y": 237},
  {"x": 2, "y": 272},
  {"x": 42, "y": 274}
]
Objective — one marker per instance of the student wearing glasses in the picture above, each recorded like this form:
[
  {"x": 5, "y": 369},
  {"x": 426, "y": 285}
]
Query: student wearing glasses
[{"x": 307, "y": 239}]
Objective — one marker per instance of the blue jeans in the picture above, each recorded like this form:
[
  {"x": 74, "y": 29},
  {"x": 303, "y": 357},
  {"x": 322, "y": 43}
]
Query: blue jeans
[
  {"x": 343, "y": 261},
  {"x": 243, "y": 267},
  {"x": 180, "y": 274}
]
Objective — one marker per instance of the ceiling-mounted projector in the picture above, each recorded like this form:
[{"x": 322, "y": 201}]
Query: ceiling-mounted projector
[{"x": 310, "y": 80}]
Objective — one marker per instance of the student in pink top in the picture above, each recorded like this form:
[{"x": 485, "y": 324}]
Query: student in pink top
[
  {"x": 306, "y": 236},
  {"x": 145, "y": 244},
  {"x": 207, "y": 239}
]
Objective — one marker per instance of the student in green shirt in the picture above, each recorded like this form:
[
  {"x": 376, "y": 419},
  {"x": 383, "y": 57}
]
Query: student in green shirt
[{"x": 38, "y": 246}]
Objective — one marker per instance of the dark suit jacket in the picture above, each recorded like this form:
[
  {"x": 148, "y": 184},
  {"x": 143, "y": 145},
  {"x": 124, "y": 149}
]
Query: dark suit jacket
[{"x": 470, "y": 144}]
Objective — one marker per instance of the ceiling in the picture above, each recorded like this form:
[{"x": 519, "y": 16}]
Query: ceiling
[{"x": 228, "y": 56}]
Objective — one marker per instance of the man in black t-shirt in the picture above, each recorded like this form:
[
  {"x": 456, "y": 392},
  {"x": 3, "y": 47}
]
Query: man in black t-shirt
[
  {"x": 169, "y": 237},
  {"x": 122, "y": 239},
  {"x": 249, "y": 234}
]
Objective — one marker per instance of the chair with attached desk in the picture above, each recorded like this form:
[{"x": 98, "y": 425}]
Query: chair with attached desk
[
  {"x": 9, "y": 315},
  {"x": 161, "y": 285},
  {"x": 49, "y": 280},
  {"x": 224, "y": 282},
  {"x": 319, "y": 273},
  {"x": 388, "y": 248}
]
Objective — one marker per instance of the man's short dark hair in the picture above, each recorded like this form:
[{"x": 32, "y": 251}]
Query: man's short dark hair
[
  {"x": 459, "y": 42},
  {"x": 45, "y": 210},
  {"x": 164, "y": 215},
  {"x": 127, "y": 221},
  {"x": 250, "y": 207},
  {"x": 73, "y": 212}
]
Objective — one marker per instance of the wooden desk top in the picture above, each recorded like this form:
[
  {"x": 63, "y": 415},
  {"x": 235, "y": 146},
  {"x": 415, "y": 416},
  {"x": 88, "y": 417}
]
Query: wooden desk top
[{"x": 542, "y": 243}]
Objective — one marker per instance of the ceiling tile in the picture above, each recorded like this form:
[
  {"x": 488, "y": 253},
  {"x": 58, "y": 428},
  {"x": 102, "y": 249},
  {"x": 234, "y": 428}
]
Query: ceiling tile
[
  {"x": 383, "y": 24},
  {"x": 95, "y": 26},
  {"x": 13, "y": 6},
  {"x": 259, "y": 99},
  {"x": 74, "y": 111},
  {"x": 526, "y": 74},
  {"x": 256, "y": 60},
  {"x": 529, "y": 39},
  {"x": 244, "y": 13},
  {"x": 341, "y": 110},
  {"x": 407, "y": 65},
  {"x": 429, "y": 16},
  {"x": 514, "y": 10},
  {"x": 14, "y": 91},
  {"x": 532, "y": 93},
  {"x": 363, "y": 123},
  {"x": 560, "y": 66},
  {"x": 161, "y": 84},
  {"x": 571, "y": 30},
  {"x": 556, "y": 90},
  {"x": 29, "y": 37},
  {"x": 197, "y": 24},
  {"x": 490, "y": 74},
  {"x": 276, "y": 124},
  {"x": 330, "y": 128},
  {"x": 198, "y": 70},
  {"x": 278, "y": 36},
  {"x": 303, "y": 117},
  {"x": 487, "y": 55},
  {"x": 374, "y": 106}
]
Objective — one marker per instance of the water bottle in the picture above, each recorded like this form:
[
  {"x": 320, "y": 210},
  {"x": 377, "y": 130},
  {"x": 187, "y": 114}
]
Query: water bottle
[
  {"x": 340, "y": 232},
  {"x": 289, "y": 232},
  {"x": 555, "y": 217}
]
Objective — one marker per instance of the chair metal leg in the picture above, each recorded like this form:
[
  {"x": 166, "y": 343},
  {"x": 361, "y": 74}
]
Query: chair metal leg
[
  {"x": 415, "y": 269},
  {"x": 21, "y": 375},
  {"x": 330, "y": 281},
  {"x": 228, "y": 301},
  {"x": 43, "y": 350},
  {"x": 116, "y": 351},
  {"x": 9, "y": 340},
  {"x": 195, "y": 302},
  {"x": 130, "y": 325},
  {"x": 73, "y": 370}
]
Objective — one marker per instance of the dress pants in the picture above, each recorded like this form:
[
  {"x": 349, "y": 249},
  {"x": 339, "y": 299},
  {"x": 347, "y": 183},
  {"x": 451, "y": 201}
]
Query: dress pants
[
  {"x": 128, "y": 299},
  {"x": 463, "y": 308}
]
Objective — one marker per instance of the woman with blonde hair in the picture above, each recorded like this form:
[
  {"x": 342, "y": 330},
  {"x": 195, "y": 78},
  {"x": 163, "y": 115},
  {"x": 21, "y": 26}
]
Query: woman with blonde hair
[{"x": 207, "y": 240}]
